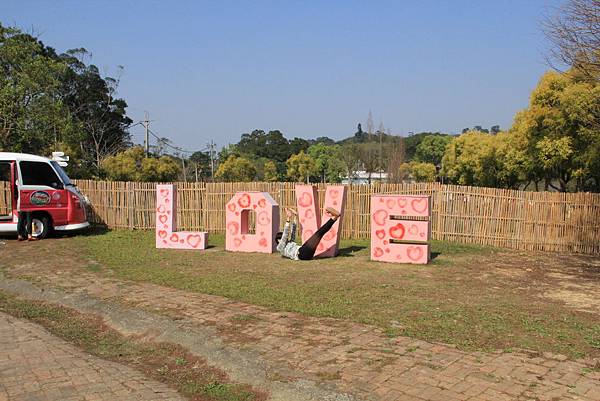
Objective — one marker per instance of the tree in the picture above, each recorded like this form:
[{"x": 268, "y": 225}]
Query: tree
[
  {"x": 575, "y": 35},
  {"x": 325, "y": 140},
  {"x": 431, "y": 149},
  {"x": 272, "y": 145},
  {"x": 300, "y": 167},
  {"x": 201, "y": 165},
  {"x": 350, "y": 158},
  {"x": 91, "y": 100},
  {"x": 236, "y": 169},
  {"x": 418, "y": 171},
  {"x": 270, "y": 171},
  {"x": 298, "y": 144},
  {"x": 229, "y": 150},
  {"x": 412, "y": 142},
  {"x": 369, "y": 158},
  {"x": 479, "y": 159},
  {"x": 557, "y": 138},
  {"x": 394, "y": 155},
  {"x": 328, "y": 165},
  {"x": 132, "y": 165},
  {"x": 57, "y": 102},
  {"x": 33, "y": 118}
]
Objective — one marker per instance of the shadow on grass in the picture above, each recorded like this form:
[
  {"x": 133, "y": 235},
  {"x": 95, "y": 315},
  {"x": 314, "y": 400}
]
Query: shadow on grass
[
  {"x": 92, "y": 230},
  {"x": 350, "y": 250}
]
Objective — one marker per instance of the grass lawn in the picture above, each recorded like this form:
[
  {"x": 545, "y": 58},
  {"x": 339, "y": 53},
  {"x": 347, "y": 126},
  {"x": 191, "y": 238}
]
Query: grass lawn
[{"x": 464, "y": 297}]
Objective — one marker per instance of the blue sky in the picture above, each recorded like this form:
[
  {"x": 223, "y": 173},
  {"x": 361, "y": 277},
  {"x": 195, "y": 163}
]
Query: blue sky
[{"x": 214, "y": 70}]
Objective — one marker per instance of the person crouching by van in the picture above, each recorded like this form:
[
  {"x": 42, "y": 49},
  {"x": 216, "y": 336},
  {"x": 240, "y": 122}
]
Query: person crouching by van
[{"x": 25, "y": 226}]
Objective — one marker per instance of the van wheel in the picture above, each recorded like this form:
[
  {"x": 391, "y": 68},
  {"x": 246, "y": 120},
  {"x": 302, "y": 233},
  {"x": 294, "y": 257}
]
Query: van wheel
[{"x": 40, "y": 227}]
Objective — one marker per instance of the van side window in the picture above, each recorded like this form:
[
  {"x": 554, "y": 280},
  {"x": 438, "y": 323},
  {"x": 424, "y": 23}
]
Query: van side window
[{"x": 38, "y": 173}]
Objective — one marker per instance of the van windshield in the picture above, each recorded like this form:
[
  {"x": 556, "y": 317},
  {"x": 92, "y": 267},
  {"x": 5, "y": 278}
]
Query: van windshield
[{"x": 61, "y": 173}]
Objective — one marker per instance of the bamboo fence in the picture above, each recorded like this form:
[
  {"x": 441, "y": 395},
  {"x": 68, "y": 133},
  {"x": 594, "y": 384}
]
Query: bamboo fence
[{"x": 544, "y": 221}]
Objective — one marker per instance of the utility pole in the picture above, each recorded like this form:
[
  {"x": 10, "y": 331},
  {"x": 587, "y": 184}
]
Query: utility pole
[
  {"x": 147, "y": 140},
  {"x": 183, "y": 166},
  {"x": 211, "y": 147}
]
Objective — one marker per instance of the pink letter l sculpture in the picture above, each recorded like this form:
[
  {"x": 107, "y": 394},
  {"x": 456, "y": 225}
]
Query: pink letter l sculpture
[
  {"x": 167, "y": 235},
  {"x": 237, "y": 235},
  {"x": 395, "y": 239}
]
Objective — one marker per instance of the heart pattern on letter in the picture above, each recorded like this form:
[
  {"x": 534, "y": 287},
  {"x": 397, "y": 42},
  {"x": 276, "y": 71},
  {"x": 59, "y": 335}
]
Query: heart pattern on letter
[
  {"x": 305, "y": 200},
  {"x": 419, "y": 205},
  {"x": 380, "y": 216},
  {"x": 194, "y": 240},
  {"x": 244, "y": 201},
  {"x": 414, "y": 253}
]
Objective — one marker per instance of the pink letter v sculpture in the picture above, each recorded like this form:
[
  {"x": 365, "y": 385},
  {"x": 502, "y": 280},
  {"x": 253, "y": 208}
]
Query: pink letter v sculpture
[{"x": 310, "y": 216}]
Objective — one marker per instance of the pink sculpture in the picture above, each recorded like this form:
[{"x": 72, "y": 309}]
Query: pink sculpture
[
  {"x": 167, "y": 235},
  {"x": 237, "y": 235},
  {"x": 395, "y": 239},
  {"x": 307, "y": 202}
]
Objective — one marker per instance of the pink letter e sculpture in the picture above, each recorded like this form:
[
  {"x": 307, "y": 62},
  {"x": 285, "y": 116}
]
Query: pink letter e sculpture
[
  {"x": 310, "y": 216},
  {"x": 237, "y": 235},
  {"x": 166, "y": 223},
  {"x": 395, "y": 239}
]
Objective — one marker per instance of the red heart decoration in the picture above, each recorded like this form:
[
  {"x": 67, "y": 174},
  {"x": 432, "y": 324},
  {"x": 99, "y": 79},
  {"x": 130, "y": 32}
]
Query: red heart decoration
[
  {"x": 244, "y": 201},
  {"x": 163, "y": 218},
  {"x": 165, "y": 192},
  {"x": 419, "y": 205},
  {"x": 174, "y": 237},
  {"x": 263, "y": 242},
  {"x": 160, "y": 209},
  {"x": 262, "y": 202},
  {"x": 309, "y": 214},
  {"x": 397, "y": 231},
  {"x": 413, "y": 230},
  {"x": 263, "y": 218},
  {"x": 194, "y": 240},
  {"x": 162, "y": 233},
  {"x": 330, "y": 235},
  {"x": 334, "y": 193},
  {"x": 380, "y": 234},
  {"x": 377, "y": 252},
  {"x": 414, "y": 253},
  {"x": 231, "y": 207},
  {"x": 237, "y": 242},
  {"x": 305, "y": 200},
  {"x": 233, "y": 227},
  {"x": 402, "y": 202},
  {"x": 390, "y": 203},
  {"x": 380, "y": 216}
]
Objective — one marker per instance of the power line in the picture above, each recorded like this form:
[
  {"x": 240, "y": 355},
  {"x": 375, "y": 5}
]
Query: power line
[{"x": 164, "y": 142}]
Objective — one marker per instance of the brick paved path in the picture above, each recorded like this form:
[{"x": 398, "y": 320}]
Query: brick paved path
[
  {"x": 355, "y": 358},
  {"x": 34, "y": 365}
]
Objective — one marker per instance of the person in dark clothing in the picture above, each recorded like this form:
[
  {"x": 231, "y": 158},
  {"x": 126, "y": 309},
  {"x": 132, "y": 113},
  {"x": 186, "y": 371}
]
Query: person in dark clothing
[
  {"x": 287, "y": 245},
  {"x": 25, "y": 227}
]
